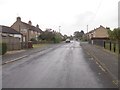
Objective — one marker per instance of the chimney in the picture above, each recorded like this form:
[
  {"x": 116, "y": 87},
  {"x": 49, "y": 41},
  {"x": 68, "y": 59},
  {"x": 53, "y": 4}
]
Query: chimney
[
  {"x": 18, "y": 18},
  {"x": 37, "y": 26},
  {"x": 29, "y": 22}
]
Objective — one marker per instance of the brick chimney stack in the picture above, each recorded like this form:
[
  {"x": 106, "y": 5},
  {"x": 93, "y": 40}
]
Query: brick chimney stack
[
  {"x": 29, "y": 22},
  {"x": 18, "y": 18},
  {"x": 37, "y": 26}
]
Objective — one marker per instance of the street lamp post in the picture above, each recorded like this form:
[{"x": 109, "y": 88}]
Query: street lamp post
[
  {"x": 87, "y": 33},
  {"x": 59, "y": 29}
]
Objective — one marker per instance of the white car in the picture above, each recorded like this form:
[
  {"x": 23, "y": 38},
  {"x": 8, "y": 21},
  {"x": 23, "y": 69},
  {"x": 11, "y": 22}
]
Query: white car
[{"x": 67, "y": 41}]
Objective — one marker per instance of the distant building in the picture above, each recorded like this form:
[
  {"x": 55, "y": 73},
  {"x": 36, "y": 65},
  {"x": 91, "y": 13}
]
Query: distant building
[{"x": 27, "y": 29}]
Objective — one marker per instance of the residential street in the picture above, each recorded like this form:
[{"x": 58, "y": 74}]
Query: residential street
[{"x": 65, "y": 66}]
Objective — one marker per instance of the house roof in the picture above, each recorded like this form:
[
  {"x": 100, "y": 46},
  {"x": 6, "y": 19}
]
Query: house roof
[
  {"x": 9, "y": 30},
  {"x": 96, "y": 29},
  {"x": 29, "y": 25},
  {"x": 32, "y": 27}
]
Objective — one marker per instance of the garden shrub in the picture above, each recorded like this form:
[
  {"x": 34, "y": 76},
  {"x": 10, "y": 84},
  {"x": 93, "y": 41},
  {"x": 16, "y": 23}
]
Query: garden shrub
[{"x": 3, "y": 48}]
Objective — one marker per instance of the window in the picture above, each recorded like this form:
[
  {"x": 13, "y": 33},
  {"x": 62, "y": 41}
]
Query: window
[
  {"x": 23, "y": 30},
  {"x": 31, "y": 32}
]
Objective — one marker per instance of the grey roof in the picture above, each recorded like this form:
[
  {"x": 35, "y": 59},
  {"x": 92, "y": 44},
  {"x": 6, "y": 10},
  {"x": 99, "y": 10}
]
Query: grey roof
[
  {"x": 32, "y": 27},
  {"x": 9, "y": 30},
  {"x": 96, "y": 29}
]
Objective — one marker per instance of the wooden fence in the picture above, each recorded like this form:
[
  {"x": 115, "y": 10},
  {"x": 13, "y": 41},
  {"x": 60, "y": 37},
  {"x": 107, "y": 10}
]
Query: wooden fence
[
  {"x": 13, "y": 43},
  {"x": 113, "y": 46}
]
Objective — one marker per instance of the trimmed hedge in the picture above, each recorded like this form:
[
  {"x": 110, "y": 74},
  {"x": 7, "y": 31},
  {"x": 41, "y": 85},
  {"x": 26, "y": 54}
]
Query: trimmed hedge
[{"x": 3, "y": 48}]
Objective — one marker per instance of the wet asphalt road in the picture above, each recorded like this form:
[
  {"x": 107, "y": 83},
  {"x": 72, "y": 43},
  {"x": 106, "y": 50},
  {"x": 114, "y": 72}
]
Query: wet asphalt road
[{"x": 66, "y": 66}]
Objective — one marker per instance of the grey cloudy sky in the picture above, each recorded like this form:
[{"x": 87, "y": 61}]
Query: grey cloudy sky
[{"x": 71, "y": 15}]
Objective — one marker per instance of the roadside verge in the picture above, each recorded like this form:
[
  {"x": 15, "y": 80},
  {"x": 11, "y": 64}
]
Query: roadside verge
[{"x": 107, "y": 60}]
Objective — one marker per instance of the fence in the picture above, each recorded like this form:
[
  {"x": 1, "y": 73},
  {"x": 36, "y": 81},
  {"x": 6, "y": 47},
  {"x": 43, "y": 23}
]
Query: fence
[
  {"x": 113, "y": 46},
  {"x": 13, "y": 43},
  {"x": 98, "y": 41}
]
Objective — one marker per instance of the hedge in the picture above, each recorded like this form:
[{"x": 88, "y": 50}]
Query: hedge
[{"x": 3, "y": 48}]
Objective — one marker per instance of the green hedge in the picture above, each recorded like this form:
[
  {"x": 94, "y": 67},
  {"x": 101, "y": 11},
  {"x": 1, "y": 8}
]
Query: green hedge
[
  {"x": 57, "y": 39},
  {"x": 3, "y": 48}
]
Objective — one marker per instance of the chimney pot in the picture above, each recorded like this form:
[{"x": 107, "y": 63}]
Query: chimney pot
[
  {"x": 37, "y": 26},
  {"x": 29, "y": 22}
]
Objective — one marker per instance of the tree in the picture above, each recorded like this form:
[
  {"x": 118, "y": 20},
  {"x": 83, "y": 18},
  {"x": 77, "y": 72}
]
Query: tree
[
  {"x": 78, "y": 34},
  {"x": 111, "y": 35},
  {"x": 49, "y": 35},
  {"x": 115, "y": 34}
]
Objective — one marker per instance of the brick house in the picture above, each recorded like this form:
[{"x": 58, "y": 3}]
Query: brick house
[
  {"x": 98, "y": 35},
  {"x": 11, "y": 37},
  {"x": 100, "y": 32},
  {"x": 27, "y": 29}
]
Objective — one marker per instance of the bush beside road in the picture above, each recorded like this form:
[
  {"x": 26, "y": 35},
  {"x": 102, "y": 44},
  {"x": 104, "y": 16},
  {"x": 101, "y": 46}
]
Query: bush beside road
[{"x": 3, "y": 48}]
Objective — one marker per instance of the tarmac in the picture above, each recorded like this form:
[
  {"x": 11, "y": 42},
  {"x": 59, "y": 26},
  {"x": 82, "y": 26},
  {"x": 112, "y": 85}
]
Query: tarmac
[
  {"x": 12, "y": 56},
  {"x": 106, "y": 59}
]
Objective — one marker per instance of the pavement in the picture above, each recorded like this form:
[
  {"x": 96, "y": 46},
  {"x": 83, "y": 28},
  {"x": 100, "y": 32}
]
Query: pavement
[
  {"x": 106, "y": 59},
  {"x": 12, "y": 56}
]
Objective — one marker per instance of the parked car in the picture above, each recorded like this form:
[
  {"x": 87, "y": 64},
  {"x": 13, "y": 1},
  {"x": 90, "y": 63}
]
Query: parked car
[{"x": 67, "y": 41}]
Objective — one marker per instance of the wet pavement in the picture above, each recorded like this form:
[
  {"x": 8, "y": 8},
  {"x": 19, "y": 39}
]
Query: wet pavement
[
  {"x": 106, "y": 58},
  {"x": 66, "y": 66}
]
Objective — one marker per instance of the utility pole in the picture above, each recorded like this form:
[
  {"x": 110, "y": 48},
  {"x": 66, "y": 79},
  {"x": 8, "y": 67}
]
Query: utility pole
[{"x": 87, "y": 33}]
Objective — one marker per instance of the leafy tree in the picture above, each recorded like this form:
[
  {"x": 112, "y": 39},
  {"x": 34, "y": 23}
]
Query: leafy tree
[
  {"x": 65, "y": 37},
  {"x": 111, "y": 35},
  {"x": 115, "y": 34},
  {"x": 58, "y": 37},
  {"x": 51, "y": 36},
  {"x": 78, "y": 34},
  {"x": 46, "y": 36}
]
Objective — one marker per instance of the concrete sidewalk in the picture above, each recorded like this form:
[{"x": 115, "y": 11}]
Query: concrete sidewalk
[
  {"x": 106, "y": 59},
  {"x": 19, "y": 54}
]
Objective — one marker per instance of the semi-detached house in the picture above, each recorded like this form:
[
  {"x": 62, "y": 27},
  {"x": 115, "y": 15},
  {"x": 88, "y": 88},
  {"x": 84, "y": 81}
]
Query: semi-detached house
[{"x": 27, "y": 29}]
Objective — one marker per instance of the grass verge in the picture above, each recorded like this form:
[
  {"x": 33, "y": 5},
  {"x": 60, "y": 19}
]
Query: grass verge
[{"x": 39, "y": 45}]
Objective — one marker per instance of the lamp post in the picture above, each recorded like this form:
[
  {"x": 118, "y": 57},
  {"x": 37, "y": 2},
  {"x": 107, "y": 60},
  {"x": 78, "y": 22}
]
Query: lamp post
[
  {"x": 87, "y": 28},
  {"x": 59, "y": 29},
  {"x": 87, "y": 33}
]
